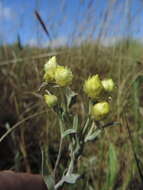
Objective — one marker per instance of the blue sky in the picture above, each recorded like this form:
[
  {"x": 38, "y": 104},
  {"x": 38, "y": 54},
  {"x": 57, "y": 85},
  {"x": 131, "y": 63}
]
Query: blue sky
[{"x": 70, "y": 20}]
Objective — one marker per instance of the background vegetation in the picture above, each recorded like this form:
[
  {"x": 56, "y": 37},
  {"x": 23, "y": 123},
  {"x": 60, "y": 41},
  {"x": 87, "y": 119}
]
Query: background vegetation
[{"x": 115, "y": 160}]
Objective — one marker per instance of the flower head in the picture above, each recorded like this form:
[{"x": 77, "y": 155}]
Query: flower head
[
  {"x": 63, "y": 76},
  {"x": 100, "y": 110},
  {"x": 93, "y": 87},
  {"x": 50, "y": 68},
  {"x": 50, "y": 64},
  {"x": 51, "y": 100},
  {"x": 108, "y": 84}
]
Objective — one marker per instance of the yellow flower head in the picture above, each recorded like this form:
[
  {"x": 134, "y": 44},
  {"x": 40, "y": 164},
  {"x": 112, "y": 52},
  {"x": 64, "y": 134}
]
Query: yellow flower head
[
  {"x": 50, "y": 64},
  {"x": 51, "y": 100},
  {"x": 50, "y": 68},
  {"x": 93, "y": 87},
  {"x": 63, "y": 76},
  {"x": 108, "y": 85},
  {"x": 100, "y": 110}
]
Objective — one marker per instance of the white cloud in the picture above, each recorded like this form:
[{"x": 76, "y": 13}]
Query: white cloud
[
  {"x": 57, "y": 42},
  {"x": 5, "y": 12},
  {"x": 33, "y": 42},
  {"x": 110, "y": 41},
  {"x": 62, "y": 41}
]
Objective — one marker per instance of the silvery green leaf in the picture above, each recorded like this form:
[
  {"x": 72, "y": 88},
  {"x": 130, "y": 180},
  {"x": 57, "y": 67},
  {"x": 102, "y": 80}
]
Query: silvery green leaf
[
  {"x": 93, "y": 136},
  {"x": 90, "y": 187},
  {"x": 71, "y": 97},
  {"x": 49, "y": 181},
  {"x": 86, "y": 126},
  {"x": 68, "y": 132},
  {"x": 113, "y": 168},
  {"x": 75, "y": 122},
  {"x": 92, "y": 129},
  {"x": 71, "y": 178},
  {"x": 141, "y": 110}
]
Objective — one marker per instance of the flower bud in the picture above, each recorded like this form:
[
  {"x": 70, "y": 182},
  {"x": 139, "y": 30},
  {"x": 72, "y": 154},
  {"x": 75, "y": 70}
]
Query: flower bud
[
  {"x": 108, "y": 85},
  {"x": 63, "y": 76},
  {"x": 51, "y": 100},
  {"x": 93, "y": 87},
  {"x": 100, "y": 110},
  {"x": 50, "y": 68}
]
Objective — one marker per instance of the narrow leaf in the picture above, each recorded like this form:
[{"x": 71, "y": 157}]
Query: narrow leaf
[
  {"x": 49, "y": 181},
  {"x": 113, "y": 167},
  {"x": 71, "y": 179},
  {"x": 75, "y": 122},
  {"x": 93, "y": 136},
  {"x": 71, "y": 97},
  {"x": 68, "y": 132}
]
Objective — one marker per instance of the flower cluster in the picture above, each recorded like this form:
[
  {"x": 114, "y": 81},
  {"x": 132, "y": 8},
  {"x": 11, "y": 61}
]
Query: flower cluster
[
  {"x": 60, "y": 75},
  {"x": 70, "y": 123},
  {"x": 95, "y": 88},
  {"x": 55, "y": 73}
]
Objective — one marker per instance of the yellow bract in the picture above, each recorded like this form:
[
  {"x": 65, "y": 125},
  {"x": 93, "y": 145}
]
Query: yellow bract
[
  {"x": 50, "y": 68},
  {"x": 50, "y": 64},
  {"x": 51, "y": 100},
  {"x": 93, "y": 87},
  {"x": 63, "y": 76},
  {"x": 55, "y": 73},
  {"x": 108, "y": 85},
  {"x": 100, "y": 110}
]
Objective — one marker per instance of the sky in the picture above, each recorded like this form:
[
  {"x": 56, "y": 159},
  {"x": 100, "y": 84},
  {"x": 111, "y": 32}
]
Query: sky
[{"x": 70, "y": 21}]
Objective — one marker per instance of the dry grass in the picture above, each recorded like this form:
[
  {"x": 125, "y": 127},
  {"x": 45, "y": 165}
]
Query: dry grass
[
  {"x": 21, "y": 102},
  {"x": 22, "y": 105}
]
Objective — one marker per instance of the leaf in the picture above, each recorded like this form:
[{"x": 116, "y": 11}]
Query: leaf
[
  {"x": 71, "y": 97},
  {"x": 71, "y": 178},
  {"x": 49, "y": 181},
  {"x": 68, "y": 132},
  {"x": 113, "y": 167},
  {"x": 141, "y": 110},
  {"x": 85, "y": 126},
  {"x": 93, "y": 136},
  {"x": 75, "y": 122}
]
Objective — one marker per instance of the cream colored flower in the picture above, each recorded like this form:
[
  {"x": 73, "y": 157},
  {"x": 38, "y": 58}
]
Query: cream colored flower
[
  {"x": 49, "y": 76},
  {"x": 93, "y": 87},
  {"x": 108, "y": 84},
  {"x": 100, "y": 110},
  {"x": 50, "y": 64},
  {"x": 63, "y": 76},
  {"x": 50, "y": 68},
  {"x": 51, "y": 100}
]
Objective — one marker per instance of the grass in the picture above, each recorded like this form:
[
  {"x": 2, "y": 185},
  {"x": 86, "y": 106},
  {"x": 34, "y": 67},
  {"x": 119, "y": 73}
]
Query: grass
[{"x": 108, "y": 164}]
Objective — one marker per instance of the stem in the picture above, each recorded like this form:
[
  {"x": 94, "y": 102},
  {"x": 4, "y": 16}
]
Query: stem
[
  {"x": 58, "y": 157},
  {"x": 59, "y": 184},
  {"x": 70, "y": 169}
]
